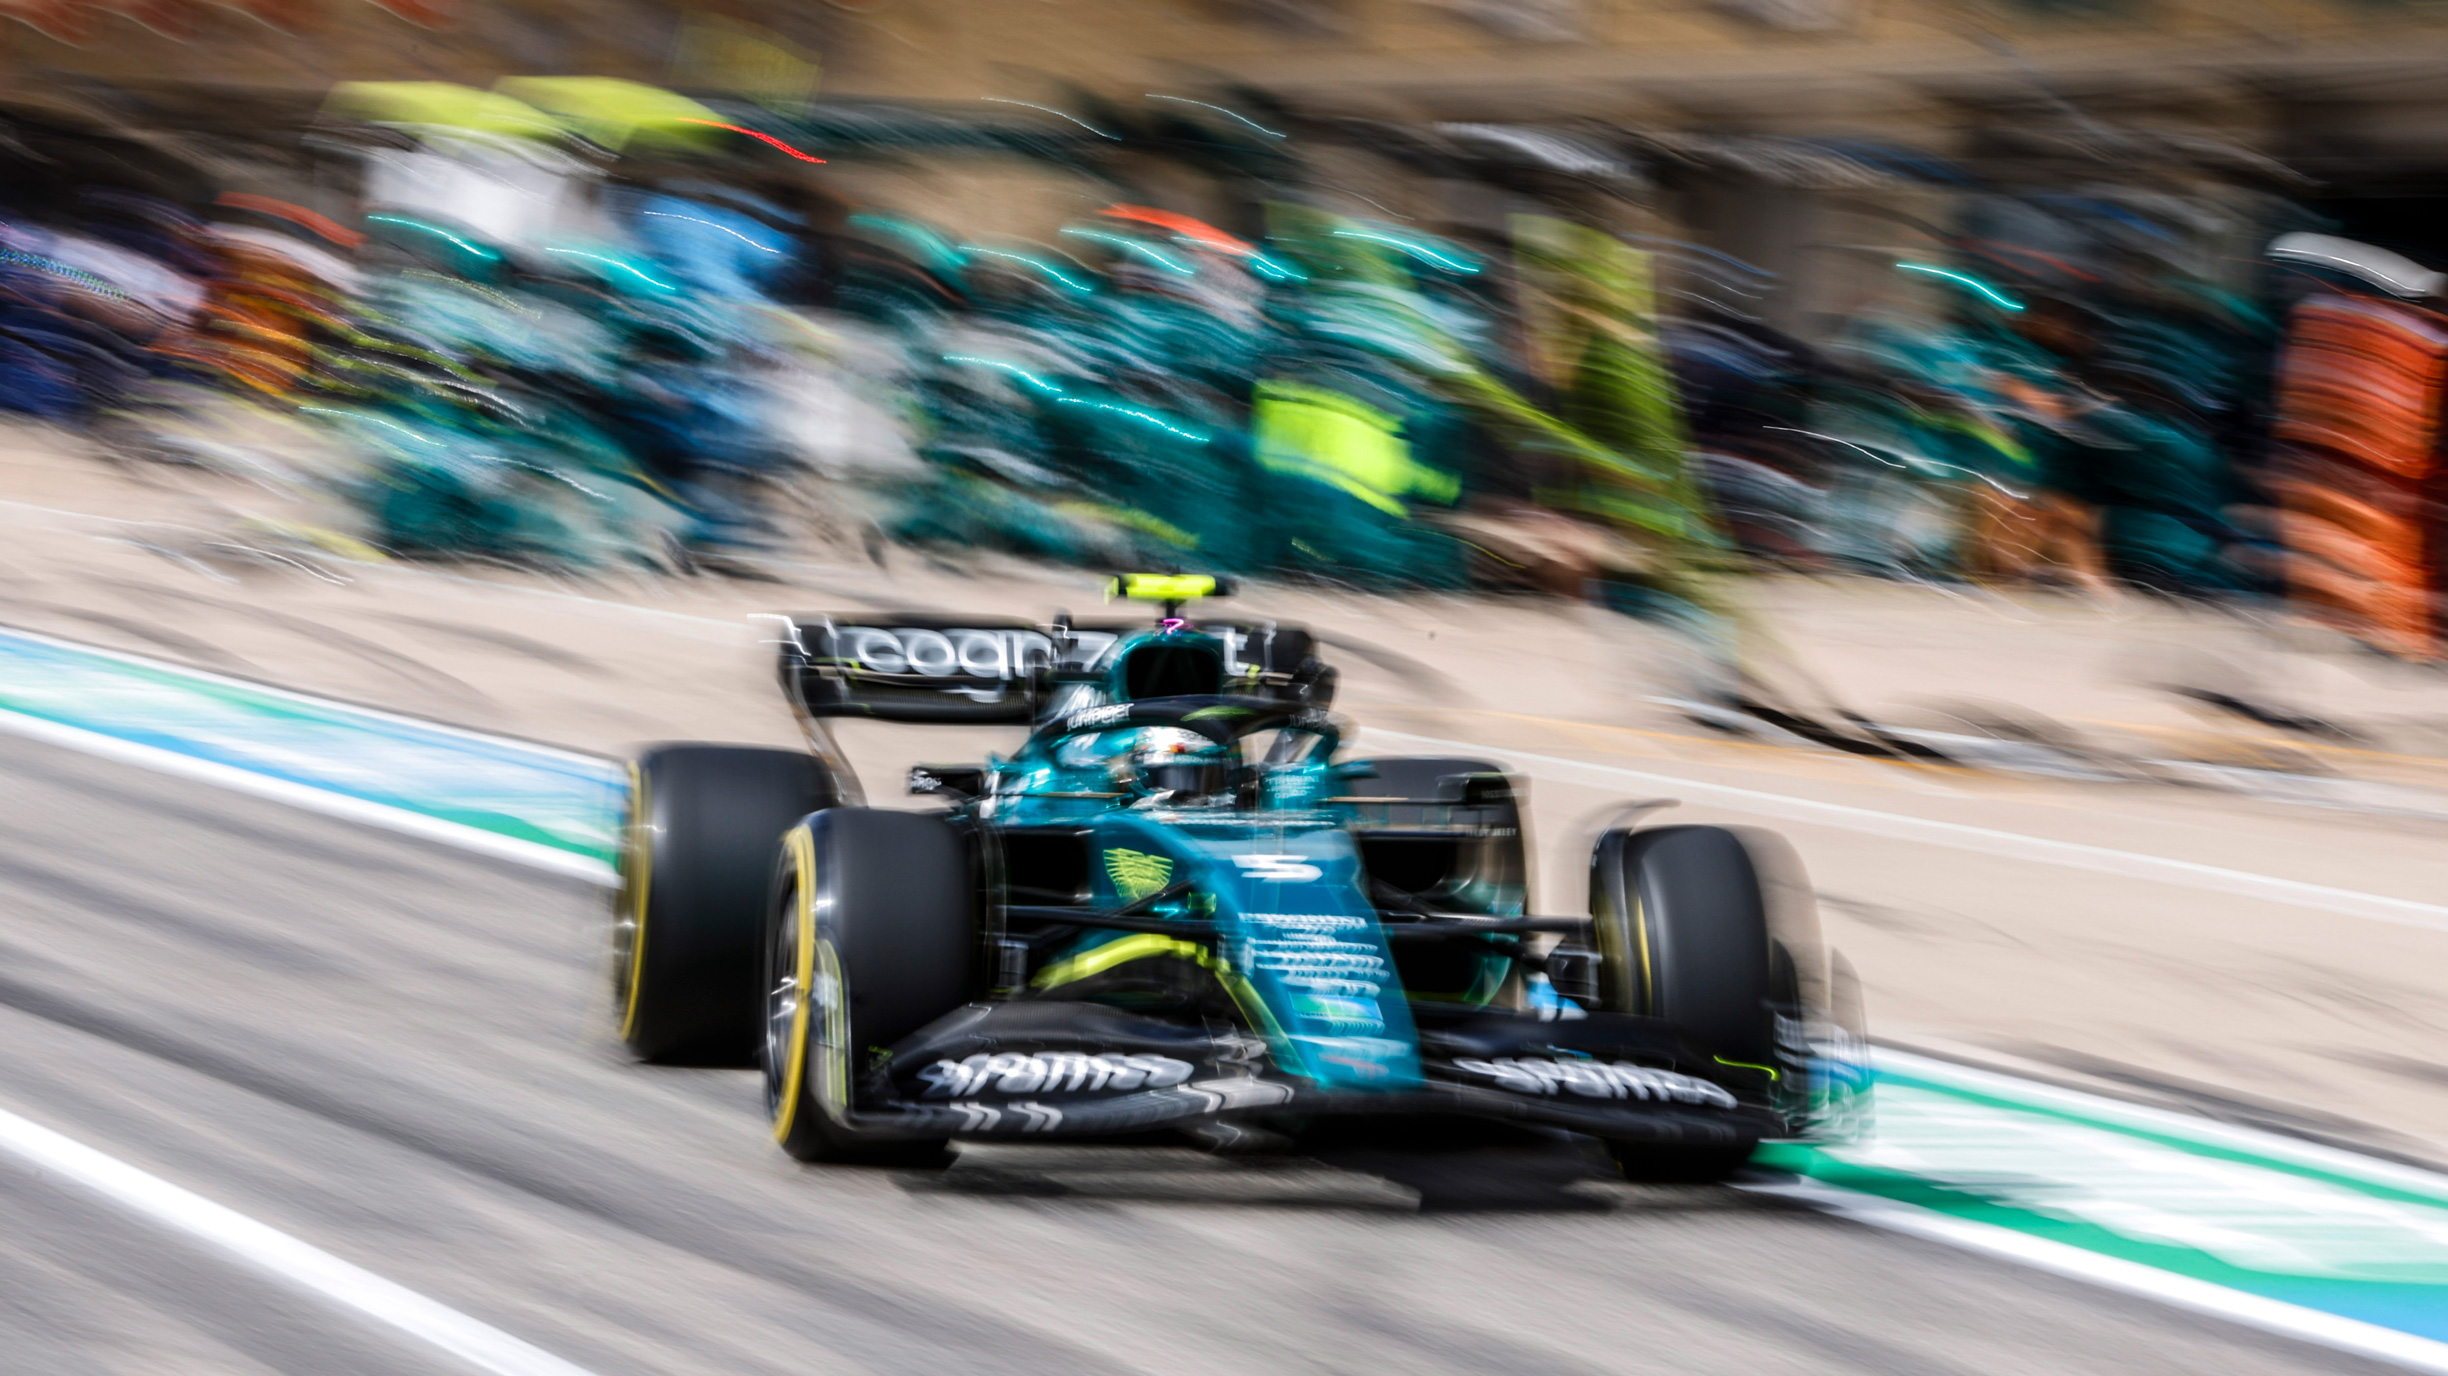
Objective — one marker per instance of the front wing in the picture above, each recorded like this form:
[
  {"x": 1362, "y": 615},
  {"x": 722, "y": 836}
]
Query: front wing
[{"x": 1052, "y": 1068}]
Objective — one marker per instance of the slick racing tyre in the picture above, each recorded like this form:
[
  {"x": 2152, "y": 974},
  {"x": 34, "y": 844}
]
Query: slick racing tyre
[
  {"x": 688, "y": 923},
  {"x": 1713, "y": 929},
  {"x": 871, "y": 935}
]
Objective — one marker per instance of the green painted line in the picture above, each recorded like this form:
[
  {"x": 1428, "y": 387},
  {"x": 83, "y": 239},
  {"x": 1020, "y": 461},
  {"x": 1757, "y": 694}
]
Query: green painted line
[
  {"x": 560, "y": 800},
  {"x": 2293, "y": 1223}
]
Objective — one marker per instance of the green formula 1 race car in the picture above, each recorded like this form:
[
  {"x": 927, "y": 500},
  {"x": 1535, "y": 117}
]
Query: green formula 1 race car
[{"x": 1177, "y": 905}]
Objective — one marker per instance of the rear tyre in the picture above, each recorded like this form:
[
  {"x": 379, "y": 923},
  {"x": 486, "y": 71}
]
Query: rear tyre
[
  {"x": 688, "y": 923},
  {"x": 1714, "y": 929},
  {"x": 872, "y": 935}
]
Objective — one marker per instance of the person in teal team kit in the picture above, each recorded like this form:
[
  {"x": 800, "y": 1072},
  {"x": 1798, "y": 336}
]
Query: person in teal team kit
[
  {"x": 1348, "y": 436},
  {"x": 1340, "y": 475}
]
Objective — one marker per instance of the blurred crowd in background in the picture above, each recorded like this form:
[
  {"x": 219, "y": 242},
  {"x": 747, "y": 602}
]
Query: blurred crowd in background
[{"x": 584, "y": 322}]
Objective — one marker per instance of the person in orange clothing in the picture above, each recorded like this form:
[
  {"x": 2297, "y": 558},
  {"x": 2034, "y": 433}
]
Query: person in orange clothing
[{"x": 262, "y": 311}]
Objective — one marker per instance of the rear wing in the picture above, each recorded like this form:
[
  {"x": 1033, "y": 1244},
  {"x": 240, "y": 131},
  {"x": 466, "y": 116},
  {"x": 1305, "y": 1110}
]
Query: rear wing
[
  {"x": 910, "y": 667},
  {"x": 916, "y": 667}
]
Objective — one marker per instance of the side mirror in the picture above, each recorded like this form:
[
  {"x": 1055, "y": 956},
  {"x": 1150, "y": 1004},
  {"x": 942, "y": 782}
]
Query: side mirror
[
  {"x": 1315, "y": 684},
  {"x": 1474, "y": 790},
  {"x": 958, "y": 782}
]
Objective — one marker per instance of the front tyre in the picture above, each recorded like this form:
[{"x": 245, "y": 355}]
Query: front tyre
[
  {"x": 871, "y": 935},
  {"x": 688, "y": 921},
  {"x": 1715, "y": 930}
]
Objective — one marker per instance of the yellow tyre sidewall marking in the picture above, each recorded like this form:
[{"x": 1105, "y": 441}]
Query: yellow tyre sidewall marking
[
  {"x": 802, "y": 847},
  {"x": 1648, "y": 974},
  {"x": 1612, "y": 936},
  {"x": 639, "y": 854}
]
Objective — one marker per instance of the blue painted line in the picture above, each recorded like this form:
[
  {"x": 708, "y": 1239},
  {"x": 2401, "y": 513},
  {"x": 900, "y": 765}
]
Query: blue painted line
[
  {"x": 559, "y": 799},
  {"x": 2300, "y": 1228}
]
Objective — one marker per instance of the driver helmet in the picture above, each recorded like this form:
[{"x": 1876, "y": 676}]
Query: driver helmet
[{"x": 1186, "y": 764}]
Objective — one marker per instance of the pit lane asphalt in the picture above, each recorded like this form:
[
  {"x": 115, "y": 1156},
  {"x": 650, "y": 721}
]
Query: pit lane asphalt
[{"x": 395, "y": 1052}]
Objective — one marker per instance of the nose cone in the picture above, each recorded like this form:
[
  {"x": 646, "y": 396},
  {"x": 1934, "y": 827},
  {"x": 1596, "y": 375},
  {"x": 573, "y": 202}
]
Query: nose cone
[{"x": 1311, "y": 952}]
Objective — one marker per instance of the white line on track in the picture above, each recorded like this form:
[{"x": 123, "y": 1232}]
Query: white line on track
[
  {"x": 268, "y": 1249},
  {"x": 2402, "y": 912},
  {"x": 529, "y": 853},
  {"x": 2115, "y": 1273},
  {"x": 2126, "y": 1116}
]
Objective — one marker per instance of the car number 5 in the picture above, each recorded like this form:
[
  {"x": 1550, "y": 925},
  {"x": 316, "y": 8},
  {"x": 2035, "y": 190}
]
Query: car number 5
[{"x": 1277, "y": 869}]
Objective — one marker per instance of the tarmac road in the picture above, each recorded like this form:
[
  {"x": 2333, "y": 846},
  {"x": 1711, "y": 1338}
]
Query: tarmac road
[
  {"x": 395, "y": 1052},
  {"x": 2237, "y": 995}
]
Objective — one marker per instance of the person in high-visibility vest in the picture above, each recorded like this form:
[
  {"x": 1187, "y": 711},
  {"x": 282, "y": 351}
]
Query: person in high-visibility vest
[{"x": 1341, "y": 476}]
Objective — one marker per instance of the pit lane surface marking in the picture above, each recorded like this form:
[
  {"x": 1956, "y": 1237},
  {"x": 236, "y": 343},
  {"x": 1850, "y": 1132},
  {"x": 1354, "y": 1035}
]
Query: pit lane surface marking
[
  {"x": 539, "y": 806},
  {"x": 2184, "y": 1292},
  {"x": 310, "y": 1268},
  {"x": 2402, "y": 912},
  {"x": 311, "y": 798},
  {"x": 2295, "y": 1237}
]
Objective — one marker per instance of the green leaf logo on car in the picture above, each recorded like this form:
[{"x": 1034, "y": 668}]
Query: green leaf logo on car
[{"x": 1136, "y": 874}]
